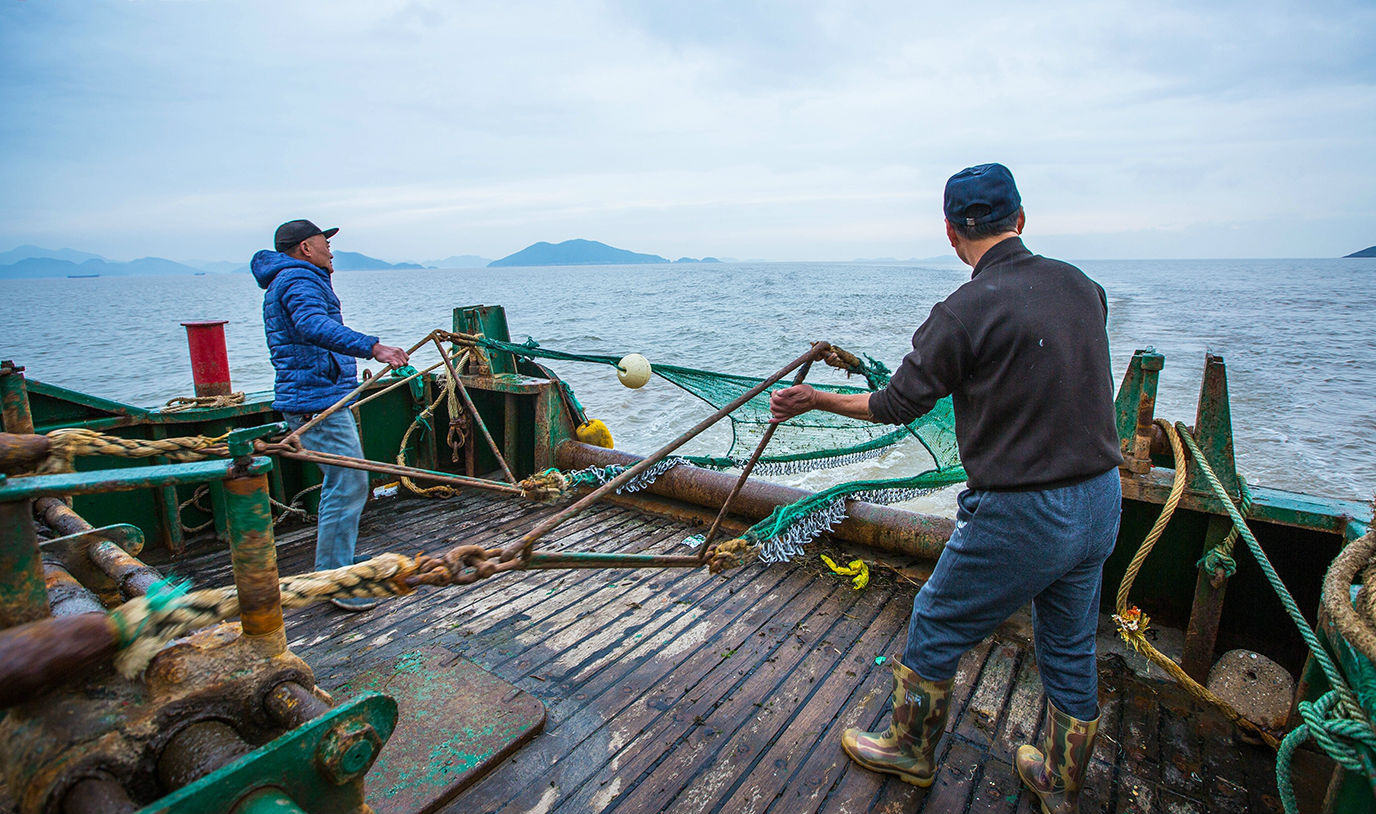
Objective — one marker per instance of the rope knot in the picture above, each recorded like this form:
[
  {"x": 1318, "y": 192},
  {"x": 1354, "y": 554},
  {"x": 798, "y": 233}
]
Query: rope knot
[
  {"x": 729, "y": 554},
  {"x": 1132, "y": 626},
  {"x": 546, "y": 486}
]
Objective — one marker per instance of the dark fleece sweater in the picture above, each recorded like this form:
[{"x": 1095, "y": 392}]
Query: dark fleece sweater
[{"x": 1023, "y": 350}]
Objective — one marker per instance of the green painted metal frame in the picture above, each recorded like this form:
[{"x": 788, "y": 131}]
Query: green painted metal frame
[
  {"x": 124, "y": 480},
  {"x": 318, "y": 766}
]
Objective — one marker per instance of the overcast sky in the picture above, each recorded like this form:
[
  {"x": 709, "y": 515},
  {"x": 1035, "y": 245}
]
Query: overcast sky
[{"x": 790, "y": 130}]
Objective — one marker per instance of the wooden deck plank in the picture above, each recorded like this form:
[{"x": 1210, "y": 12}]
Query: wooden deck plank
[
  {"x": 979, "y": 722},
  {"x": 503, "y": 597},
  {"x": 1023, "y": 716},
  {"x": 816, "y": 724},
  {"x": 856, "y": 789},
  {"x": 749, "y": 727},
  {"x": 713, "y": 756},
  {"x": 681, "y": 728},
  {"x": 584, "y": 720},
  {"x": 998, "y": 790},
  {"x": 646, "y": 715}
]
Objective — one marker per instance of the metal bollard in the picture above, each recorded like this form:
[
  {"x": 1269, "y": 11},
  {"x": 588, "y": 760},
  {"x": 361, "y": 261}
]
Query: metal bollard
[{"x": 209, "y": 358}]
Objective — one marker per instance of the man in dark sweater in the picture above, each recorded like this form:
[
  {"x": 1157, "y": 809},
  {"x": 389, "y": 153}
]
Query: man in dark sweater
[{"x": 1023, "y": 351}]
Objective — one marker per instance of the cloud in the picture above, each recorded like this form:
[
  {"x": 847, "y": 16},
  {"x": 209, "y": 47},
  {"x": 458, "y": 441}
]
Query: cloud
[{"x": 801, "y": 130}]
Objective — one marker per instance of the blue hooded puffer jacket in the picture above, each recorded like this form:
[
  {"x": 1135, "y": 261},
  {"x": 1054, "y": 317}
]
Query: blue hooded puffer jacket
[{"x": 312, "y": 350}]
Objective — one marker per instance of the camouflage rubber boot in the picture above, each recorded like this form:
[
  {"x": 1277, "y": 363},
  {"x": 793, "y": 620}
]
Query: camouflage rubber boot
[
  {"x": 907, "y": 746},
  {"x": 1055, "y": 772}
]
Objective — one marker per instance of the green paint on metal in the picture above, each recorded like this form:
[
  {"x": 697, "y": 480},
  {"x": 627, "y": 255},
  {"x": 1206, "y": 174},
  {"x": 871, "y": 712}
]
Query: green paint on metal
[
  {"x": 122, "y": 480},
  {"x": 240, "y": 442},
  {"x": 288, "y": 764},
  {"x": 23, "y": 594},
  {"x": 269, "y": 800}
]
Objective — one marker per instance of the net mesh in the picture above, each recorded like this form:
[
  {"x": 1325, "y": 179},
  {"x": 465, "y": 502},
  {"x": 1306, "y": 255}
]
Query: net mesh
[{"x": 811, "y": 441}]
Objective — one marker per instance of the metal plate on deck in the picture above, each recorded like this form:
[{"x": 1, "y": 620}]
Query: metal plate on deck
[{"x": 456, "y": 721}]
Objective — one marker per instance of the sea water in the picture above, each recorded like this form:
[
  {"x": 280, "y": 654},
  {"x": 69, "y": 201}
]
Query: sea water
[{"x": 1297, "y": 337}]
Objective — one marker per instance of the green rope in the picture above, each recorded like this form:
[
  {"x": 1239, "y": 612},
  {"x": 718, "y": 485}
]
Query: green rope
[
  {"x": 165, "y": 594},
  {"x": 416, "y": 385},
  {"x": 1220, "y": 557},
  {"x": 1335, "y": 721}
]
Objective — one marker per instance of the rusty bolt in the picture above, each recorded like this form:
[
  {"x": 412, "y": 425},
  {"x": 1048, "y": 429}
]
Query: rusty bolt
[{"x": 347, "y": 751}]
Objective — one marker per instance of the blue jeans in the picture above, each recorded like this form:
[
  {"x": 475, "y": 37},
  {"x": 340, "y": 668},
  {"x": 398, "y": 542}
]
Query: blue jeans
[
  {"x": 1047, "y": 547},
  {"x": 344, "y": 491}
]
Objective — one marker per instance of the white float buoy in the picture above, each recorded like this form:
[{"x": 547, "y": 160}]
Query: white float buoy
[{"x": 633, "y": 370}]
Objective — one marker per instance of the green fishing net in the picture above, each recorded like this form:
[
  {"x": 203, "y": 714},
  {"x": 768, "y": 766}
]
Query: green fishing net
[
  {"x": 811, "y": 441},
  {"x": 815, "y": 440}
]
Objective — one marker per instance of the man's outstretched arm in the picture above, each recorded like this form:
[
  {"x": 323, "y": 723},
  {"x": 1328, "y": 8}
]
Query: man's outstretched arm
[{"x": 799, "y": 399}]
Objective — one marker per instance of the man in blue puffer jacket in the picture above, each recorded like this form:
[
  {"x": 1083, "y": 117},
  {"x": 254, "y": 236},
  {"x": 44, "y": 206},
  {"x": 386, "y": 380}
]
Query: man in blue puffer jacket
[{"x": 313, "y": 353}]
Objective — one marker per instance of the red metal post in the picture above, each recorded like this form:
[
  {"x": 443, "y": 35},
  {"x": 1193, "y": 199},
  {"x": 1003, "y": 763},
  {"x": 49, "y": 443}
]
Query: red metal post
[{"x": 209, "y": 359}]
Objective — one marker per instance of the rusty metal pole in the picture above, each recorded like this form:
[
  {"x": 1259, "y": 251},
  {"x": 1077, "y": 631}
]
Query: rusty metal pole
[
  {"x": 98, "y": 795},
  {"x": 198, "y": 750},
  {"x": 19, "y": 453},
  {"x": 23, "y": 594},
  {"x": 745, "y": 475},
  {"x": 254, "y": 556},
  {"x": 290, "y": 705},
  {"x": 881, "y": 527},
  {"x": 67, "y": 596},
  {"x": 521, "y": 548},
  {"x": 14, "y": 399},
  {"x": 36, "y": 655},
  {"x": 129, "y": 572}
]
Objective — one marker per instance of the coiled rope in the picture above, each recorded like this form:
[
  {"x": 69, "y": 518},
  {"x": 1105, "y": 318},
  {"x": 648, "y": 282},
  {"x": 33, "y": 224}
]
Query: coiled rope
[{"x": 181, "y": 403}]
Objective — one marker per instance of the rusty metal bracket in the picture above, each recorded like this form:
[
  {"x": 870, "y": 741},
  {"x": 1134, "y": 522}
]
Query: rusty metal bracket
[
  {"x": 1134, "y": 409},
  {"x": 319, "y": 766},
  {"x": 1213, "y": 429}
]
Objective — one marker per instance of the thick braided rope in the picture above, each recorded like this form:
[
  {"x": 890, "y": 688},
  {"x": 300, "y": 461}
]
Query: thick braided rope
[
  {"x": 1358, "y": 628},
  {"x": 65, "y": 445},
  {"x": 1159, "y": 527},
  {"x": 181, "y": 403},
  {"x": 1132, "y": 623},
  {"x": 148, "y": 624}
]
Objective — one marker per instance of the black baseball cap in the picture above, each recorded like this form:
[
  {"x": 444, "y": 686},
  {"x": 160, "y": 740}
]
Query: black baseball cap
[
  {"x": 290, "y": 234},
  {"x": 988, "y": 188}
]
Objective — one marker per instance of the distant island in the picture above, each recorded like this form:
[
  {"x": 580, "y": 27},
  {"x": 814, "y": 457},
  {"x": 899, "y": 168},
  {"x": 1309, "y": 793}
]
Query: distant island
[
  {"x": 31, "y": 262},
  {"x": 1369, "y": 251},
  {"x": 579, "y": 252}
]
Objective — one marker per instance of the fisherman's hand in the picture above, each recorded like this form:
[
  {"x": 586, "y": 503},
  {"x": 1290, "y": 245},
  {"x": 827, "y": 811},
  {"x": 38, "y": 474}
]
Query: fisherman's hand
[
  {"x": 791, "y": 401},
  {"x": 396, "y": 357}
]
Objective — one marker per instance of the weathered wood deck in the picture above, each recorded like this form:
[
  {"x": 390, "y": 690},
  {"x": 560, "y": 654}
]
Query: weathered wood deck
[{"x": 680, "y": 691}]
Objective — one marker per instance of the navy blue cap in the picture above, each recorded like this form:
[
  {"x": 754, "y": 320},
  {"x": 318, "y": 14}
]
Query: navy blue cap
[
  {"x": 290, "y": 234},
  {"x": 985, "y": 185}
]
